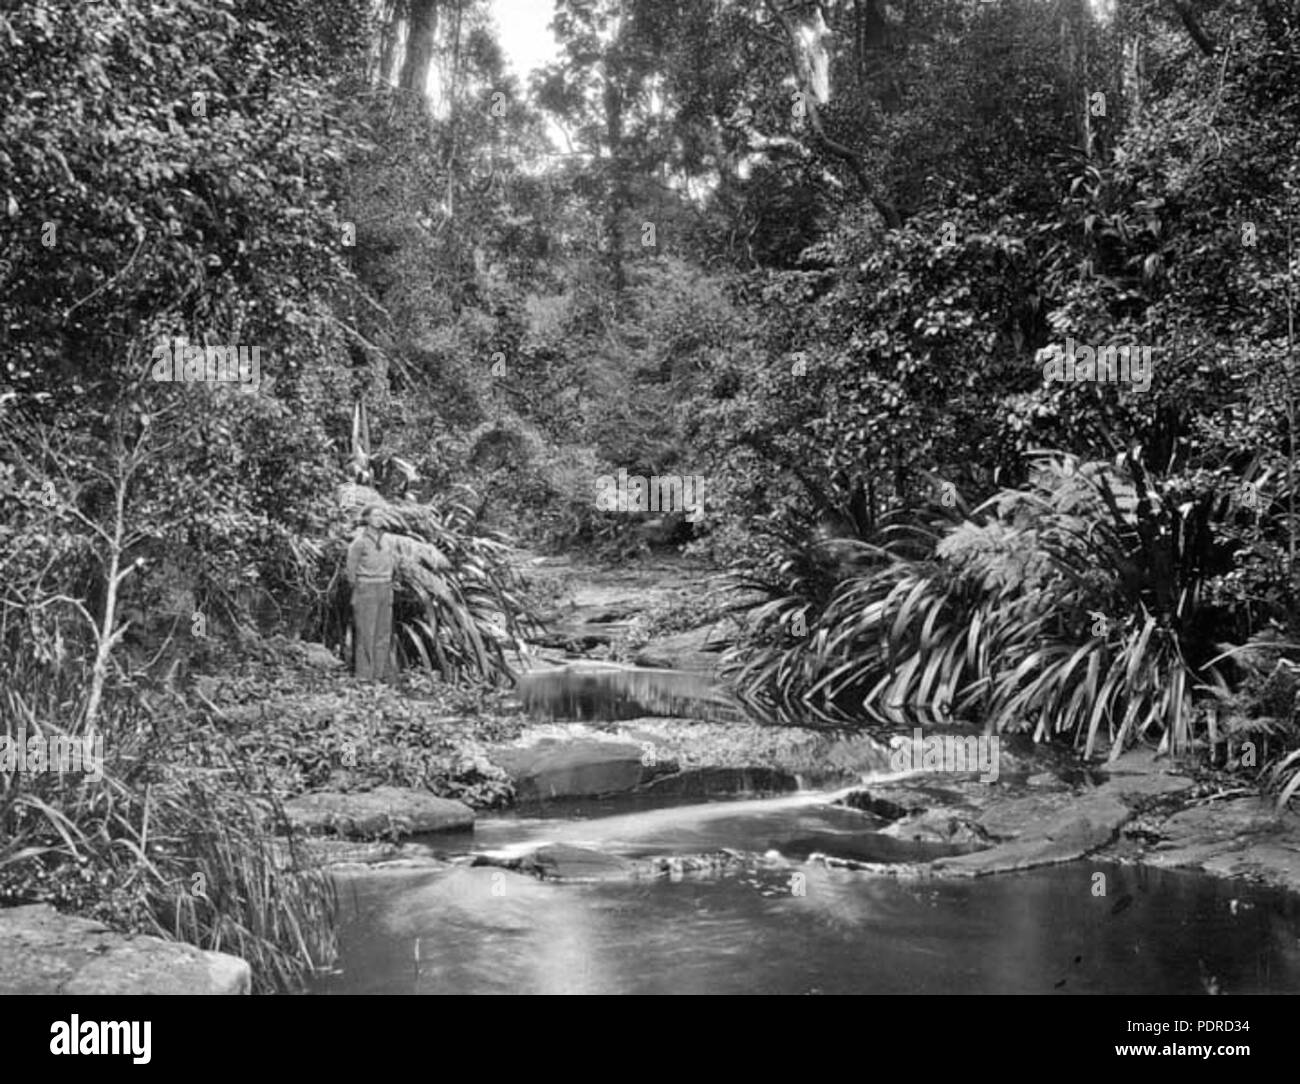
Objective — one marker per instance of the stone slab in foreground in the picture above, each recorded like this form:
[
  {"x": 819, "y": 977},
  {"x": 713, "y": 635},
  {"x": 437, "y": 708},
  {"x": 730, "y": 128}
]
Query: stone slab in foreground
[
  {"x": 397, "y": 811},
  {"x": 44, "y": 952}
]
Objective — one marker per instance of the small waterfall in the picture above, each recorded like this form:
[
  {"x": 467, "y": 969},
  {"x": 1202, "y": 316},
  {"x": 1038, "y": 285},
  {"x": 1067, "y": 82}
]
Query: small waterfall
[{"x": 680, "y": 828}]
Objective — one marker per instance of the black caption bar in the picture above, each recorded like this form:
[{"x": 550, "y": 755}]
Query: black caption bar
[{"x": 131, "y": 1036}]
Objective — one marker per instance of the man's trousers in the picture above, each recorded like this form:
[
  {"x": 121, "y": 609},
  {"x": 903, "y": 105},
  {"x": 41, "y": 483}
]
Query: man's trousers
[{"x": 372, "y": 624}]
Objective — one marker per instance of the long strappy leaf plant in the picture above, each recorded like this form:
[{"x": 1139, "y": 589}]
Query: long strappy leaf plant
[{"x": 1073, "y": 606}]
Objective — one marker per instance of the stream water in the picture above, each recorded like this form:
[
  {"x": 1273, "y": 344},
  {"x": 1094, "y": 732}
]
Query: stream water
[{"x": 773, "y": 922}]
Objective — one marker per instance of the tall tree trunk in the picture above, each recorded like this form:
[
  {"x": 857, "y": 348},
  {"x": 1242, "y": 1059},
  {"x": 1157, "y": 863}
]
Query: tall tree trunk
[
  {"x": 875, "y": 68},
  {"x": 454, "y": 85},
  {"x": 1290, "y": 400},
  {"x": 1133, "y": 74},
  {"x": 618, "y": 192},
  {"x": 1074, "y": 61},
  {"x": 419, "y": 46},
  {"x": 390, "y": 35}
]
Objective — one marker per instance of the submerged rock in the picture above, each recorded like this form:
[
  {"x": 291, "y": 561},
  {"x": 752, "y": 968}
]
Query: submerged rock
[
  {"x": 874, "y": 847},
  {"x": 679, "y": 865},
  {"x": 903, "y": 871},
  {"x": 472, "y": 898},
  {"x": 884, "y": 808},
  {"x": 565, "y": 863},
  {"x": 562, "y": 862}
]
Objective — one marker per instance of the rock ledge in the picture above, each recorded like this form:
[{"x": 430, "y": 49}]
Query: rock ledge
[{"x": 44, "y": 952}]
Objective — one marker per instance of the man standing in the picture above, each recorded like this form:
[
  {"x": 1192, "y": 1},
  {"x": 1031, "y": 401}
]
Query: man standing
[{"x": 370, "y": 572}]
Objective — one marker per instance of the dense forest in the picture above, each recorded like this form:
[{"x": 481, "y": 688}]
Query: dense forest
[{"x": 975, "y": 322}]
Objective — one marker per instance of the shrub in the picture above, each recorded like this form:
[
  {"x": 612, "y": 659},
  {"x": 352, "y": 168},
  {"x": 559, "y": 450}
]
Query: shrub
[{"x": 342, "y": 736}]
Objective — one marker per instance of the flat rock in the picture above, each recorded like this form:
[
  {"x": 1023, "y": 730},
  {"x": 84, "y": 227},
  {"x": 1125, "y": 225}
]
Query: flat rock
[
  {"x": 1242, "y": 837},
  {"x": 1275, "y": 863},
  {"x": 1088, "y": 823},
  {"x": 1219, "y": 821},
  {"x": 1010, "y": 818},
  {"x": 579, "y": 768},
  {"x": 398, "y": 811},
  {"x": 696, "y": 650},
  {"x": 44, "y": 952}
]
